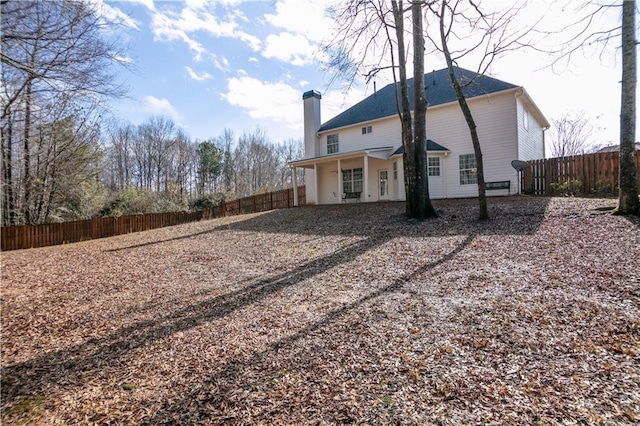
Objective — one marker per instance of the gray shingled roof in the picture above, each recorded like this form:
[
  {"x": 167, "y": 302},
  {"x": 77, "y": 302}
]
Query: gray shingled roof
[
  {"x": 438, "y": 88},
  {"x": 431, "y": 146}
]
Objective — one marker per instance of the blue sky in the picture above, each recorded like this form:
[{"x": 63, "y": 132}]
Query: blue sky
[{"x": 211, "y": 65}]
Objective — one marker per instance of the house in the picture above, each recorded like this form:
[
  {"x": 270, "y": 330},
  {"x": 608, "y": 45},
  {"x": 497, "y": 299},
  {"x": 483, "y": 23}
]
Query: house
[
  {"x": 358, "y": 153},
  {"x": 616, "y": 148}
]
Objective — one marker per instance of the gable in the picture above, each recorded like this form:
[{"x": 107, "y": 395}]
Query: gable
[{"x": 437, "y": 87}]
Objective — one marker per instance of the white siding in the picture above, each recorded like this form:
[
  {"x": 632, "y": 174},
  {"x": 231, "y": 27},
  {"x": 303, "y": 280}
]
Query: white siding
[
  {"x": 386, "y": 132},
  {"x": 310, "y": 185},
  {"x": 530, "y": 140},
  {"x": 374, "y": 181},
  {"x": 328, "y": 183},
  {"x": 495, "y": 118},
  {"x": 502, "y": 136},
  {"x": 402, "y": 194}
]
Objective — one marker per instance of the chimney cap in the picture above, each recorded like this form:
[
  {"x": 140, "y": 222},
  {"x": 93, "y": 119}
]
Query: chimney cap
[{"x": 312, "y": 93}]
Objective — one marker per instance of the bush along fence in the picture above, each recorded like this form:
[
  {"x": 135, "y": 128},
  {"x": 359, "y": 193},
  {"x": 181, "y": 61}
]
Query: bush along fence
[
  {"x": 576, "y": 175},
  {"x": 50, "y": 234}
]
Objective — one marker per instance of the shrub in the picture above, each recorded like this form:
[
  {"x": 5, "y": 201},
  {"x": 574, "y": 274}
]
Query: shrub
[
  {"x": 557, "y": 188},
  {"x": 603, "y": 187},
  {"x": 574, "y": 187},
  {"x": 567, "y": 188},
  {"x": 140, "y": 201},
  {"x": 207, "y": 202}
]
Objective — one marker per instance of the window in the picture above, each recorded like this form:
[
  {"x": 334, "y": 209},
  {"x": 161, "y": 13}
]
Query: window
[
  {"x": 352, "y": 180},
  {"x": 395, "y": 170},
  {"x": 332, "y": 143},
  {"x": 433, "y": 166},
  {"x": 468, "y": 171},
  {"x": 366, "y": 130},
  {"x": 525, "y": 119}
]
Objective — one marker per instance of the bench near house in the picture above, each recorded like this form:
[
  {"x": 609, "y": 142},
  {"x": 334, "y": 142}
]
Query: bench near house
[{"x": 358, "y": 153}]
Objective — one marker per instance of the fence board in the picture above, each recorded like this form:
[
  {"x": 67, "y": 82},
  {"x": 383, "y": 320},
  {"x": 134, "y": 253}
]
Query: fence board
[
  {"x": 32, "y": 236},
  {"x": 595, "y": 171}
]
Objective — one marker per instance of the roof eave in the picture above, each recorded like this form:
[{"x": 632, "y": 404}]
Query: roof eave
[
  {"x": 337, "y": 156},
  {"x": 438, "y": 106}
]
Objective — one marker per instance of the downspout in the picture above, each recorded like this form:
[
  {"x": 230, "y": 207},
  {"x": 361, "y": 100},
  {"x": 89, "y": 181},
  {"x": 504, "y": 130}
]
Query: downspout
[
  {"x": 519, "y": 92},
  {"x": 295, "y": 186}
]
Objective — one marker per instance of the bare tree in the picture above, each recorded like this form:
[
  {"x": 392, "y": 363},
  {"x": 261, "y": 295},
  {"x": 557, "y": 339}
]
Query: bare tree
[
  {"x": 628, "y": 202},
  {"x": 490, "y": 36},
  {"x": 423, "y": 207},
  {"x": 368, "y": 36},
  {"x": 569, "y": 135},
  {"x": 404, "y": 111},
  {"x": 51, "y": 52},
  {"x": 225, "y": 144},
  {"x": 159, "y": 135},
  {"x": 584, "y": 38},
  {"x": 120, "y": 137}
]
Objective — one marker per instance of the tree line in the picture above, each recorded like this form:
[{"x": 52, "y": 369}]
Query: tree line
[
  {"x": 63, "y": 159},
  {"x": 76, "y": 167},
  {"x": 158, "y": 157}
]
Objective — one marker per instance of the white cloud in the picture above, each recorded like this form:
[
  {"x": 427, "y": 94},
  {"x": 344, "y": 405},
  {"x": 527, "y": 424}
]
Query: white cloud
[
  {"x": 221, "y": 63},
  {"x": 198, "y": 77},
  {"x": 262, "y": 100},
  {"x": 124, "y": 59},
  {"x": 287, "y": 47},
  {"x": 112, "y": 14},
  {"x": 147, "y": 3},
  {"x": 305, "y": 18},
  {"x": 162, "y": 106},
  {"x": 196, "y": 17},
  {"x": 165, "y": 29}
]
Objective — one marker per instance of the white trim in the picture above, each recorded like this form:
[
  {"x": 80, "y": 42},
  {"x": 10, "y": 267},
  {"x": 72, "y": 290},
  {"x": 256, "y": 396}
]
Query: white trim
[
  {"x": 339, "y": 180},
  {"x": 310, "y": 162},
  {"x": 365, "y": 172},
  {"x": 295, "y": 187}
]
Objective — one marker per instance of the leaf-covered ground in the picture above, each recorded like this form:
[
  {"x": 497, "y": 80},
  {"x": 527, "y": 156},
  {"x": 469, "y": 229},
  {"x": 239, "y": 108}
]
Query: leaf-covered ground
[{"x": 346, "y": 314}]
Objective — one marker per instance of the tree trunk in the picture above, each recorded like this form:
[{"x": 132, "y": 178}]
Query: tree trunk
[
  {"x": 408, "y": 157},
  {"x": 26, "y": 157},
  {"x": 628, "y": 196},
  {"x": 423, "y": 208},
  {"x": 466, "y": 111},
  {"x": 8, "y": 211}
]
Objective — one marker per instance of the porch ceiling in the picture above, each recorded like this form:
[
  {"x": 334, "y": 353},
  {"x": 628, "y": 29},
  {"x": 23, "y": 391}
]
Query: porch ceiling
[{"x": 381, "y": 153}]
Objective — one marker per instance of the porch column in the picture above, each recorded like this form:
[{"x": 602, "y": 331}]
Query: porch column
[
  {"x": 365, "y": 178},
  {"x": 295, "y": 186},
  {"x": 339, "y": 180},
  {"x": 315, "y": 182}
]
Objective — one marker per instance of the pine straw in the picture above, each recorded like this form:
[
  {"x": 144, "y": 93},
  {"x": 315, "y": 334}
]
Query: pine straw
[{"x": 333, "y": 315}]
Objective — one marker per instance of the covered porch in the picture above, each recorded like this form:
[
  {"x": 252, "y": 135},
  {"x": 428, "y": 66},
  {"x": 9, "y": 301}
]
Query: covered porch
[{"x": 357, "y": 176}]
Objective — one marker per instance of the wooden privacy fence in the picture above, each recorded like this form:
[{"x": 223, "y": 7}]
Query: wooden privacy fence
[
  {"x": 50, "y": 234},
  {"x": 597, "y": 173}
]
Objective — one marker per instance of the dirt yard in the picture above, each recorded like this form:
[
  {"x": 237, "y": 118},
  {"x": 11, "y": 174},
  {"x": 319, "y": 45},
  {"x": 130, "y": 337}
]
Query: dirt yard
[{"x": 346, "y": 314}]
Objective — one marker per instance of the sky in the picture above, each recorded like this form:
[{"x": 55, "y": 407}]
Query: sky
[{"x": 240, "y": 65}]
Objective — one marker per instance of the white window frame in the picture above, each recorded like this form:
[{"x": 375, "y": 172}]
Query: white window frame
[
  {"x": 433, "y": 166},
  {"x": 468, "y": 171},
  {"x": 333, "y": 143},
  {"x": 352, "y": 180},
  {"x": 525, "y": 118},
  {"x": 367, "y": 129},
  {"x": 395, "y": 170}
]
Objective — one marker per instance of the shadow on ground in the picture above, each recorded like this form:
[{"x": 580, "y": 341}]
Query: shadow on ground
[{"x": 376, "y": 224}]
